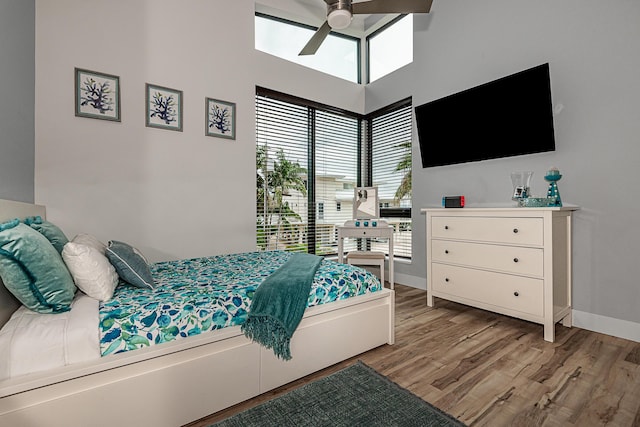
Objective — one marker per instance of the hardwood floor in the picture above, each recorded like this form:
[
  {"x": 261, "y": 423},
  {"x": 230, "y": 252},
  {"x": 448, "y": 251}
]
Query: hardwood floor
[{"x": 492, "y": 370}]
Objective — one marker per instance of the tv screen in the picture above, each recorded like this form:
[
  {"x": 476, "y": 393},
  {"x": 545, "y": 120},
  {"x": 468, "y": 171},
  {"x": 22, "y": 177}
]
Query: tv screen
[{"x": 510, "y": 116}]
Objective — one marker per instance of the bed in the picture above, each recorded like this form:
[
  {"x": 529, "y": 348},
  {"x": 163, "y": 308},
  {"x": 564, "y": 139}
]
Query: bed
[{"x": 183, "y": 380}]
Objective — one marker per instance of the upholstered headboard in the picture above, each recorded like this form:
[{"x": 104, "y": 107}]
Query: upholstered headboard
[{"x": 10, "y": 210}]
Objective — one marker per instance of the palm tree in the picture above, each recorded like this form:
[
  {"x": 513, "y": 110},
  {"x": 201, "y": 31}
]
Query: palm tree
[
  {"x": 272, "y": 187},
  {"x": 404, "y": 165}
]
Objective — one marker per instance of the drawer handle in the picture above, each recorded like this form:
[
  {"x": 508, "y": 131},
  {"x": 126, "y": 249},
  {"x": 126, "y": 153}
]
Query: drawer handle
[
  {"x": 446, "y": 279},
  {"x": 516, "y": 294},
  {"x": 516, "y": 260},
  {"x": 446, "y": 227},
  {"x": 446, "y": 251},
  {"x": 515, "y": 230}
]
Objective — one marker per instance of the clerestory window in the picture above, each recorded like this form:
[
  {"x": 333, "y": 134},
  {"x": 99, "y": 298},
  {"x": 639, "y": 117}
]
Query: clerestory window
[
  {"x": 339, "y": 54},
  {"x": 388, "y": 48}
]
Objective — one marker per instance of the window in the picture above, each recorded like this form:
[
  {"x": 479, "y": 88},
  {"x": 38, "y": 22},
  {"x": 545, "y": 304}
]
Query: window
[
  {"x": 339, "y": 55},
  {"x": 308, "y": 163},
  {"x": 390, "y": 133},
  {"x": 337, "y": 138},
  {"x": 390, "y": 48},
  {"x": 281, "y": 175},
  {"x": 304, "y": 155}
]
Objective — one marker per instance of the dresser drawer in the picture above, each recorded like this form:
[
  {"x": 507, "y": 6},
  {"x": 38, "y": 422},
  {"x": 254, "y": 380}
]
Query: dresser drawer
[
  {"x": 523, "y": 231},
  {"x": 517, "y": 293},
  {"x": 510, "y": 259}
]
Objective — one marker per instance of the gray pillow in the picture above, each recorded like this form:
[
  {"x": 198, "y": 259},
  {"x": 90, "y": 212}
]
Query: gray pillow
[{"x": 130, "y": 264}]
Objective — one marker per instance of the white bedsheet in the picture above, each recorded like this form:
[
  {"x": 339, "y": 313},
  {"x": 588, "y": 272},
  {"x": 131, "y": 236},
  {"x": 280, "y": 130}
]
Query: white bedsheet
[{"x": 30, "y": 342}]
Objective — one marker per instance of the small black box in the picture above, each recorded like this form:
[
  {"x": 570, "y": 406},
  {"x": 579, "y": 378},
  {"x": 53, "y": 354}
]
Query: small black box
[{"x": 453, "y": 202}]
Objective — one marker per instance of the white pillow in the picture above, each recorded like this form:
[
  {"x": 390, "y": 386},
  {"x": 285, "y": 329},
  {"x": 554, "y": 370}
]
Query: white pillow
[
  {"x": 89, "y": 240},
  {"x": 92, "y": 272}
]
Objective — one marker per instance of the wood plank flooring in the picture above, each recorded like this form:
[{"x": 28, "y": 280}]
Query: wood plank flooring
[{"x": 492, "y": 370}]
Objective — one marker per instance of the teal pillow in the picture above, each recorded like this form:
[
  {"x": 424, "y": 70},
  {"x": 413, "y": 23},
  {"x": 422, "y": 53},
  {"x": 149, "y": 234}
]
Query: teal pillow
[
  {"x": 49, "y": 230},
  {"x": 131, "y": 265},
  {"x": 33, "y": 271}
]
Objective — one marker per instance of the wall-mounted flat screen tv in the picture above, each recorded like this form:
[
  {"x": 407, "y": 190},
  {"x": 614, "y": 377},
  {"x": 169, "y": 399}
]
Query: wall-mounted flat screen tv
[{"x": 510, "y": 116}]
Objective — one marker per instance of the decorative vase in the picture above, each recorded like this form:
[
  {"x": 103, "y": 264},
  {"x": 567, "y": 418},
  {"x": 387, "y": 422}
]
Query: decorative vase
[{"x": 553, "y": 194}]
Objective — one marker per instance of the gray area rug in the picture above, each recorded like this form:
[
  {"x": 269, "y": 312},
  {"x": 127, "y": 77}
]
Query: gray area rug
[{"x": 354, "y": 396}]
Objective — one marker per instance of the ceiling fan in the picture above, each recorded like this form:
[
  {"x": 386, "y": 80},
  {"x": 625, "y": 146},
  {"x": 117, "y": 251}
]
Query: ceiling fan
[{"x": 340, "y": 13}]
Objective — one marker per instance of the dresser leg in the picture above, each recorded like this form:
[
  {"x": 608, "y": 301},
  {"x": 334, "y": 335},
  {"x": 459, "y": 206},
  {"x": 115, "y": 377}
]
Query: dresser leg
[
  {"x": 567, "y": 320},
  {"x": 429, "y": 300},
  {"x": 549, "y": 331}
]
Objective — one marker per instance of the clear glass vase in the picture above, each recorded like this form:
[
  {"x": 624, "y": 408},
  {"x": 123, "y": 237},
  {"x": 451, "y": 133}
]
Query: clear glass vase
[{"x": 521, "y": 185}]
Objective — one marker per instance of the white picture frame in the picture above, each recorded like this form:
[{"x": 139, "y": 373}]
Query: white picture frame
[{"x": 365, "y": 203}]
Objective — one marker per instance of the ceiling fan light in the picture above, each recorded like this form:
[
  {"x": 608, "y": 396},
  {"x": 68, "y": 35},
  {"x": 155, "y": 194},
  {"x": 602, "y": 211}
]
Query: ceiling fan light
[{"x": 339, "y": 19}]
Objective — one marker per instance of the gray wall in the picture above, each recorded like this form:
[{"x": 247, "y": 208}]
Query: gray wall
[
  {"x": 594, "y": 57},
  {"x": 17, "y": 77}
]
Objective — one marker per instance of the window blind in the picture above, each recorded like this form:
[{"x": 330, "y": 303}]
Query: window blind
[
  {"x": 391, "y": 135},
  {"x": 309, "y": 159},
  {"x": 336, "y": 171},
  {"x": 281, "y": 175},
  {"x": 306, "y": 169}
]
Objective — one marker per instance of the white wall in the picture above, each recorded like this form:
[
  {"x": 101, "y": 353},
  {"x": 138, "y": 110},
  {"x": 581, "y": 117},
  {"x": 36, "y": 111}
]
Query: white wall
[
  {"x": 172, "y": 194},
  {"x": 17, "y": 76},
  {"x": 594, "y": 55}
]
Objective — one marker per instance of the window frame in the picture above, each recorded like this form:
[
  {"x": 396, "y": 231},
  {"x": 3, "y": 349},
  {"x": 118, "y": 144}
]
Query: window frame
[{"x": 358, "y": 40}]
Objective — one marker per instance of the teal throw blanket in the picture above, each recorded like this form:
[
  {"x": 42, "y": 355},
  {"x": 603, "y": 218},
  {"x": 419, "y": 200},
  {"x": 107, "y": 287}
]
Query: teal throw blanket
[{"x": 279, "y": 304}]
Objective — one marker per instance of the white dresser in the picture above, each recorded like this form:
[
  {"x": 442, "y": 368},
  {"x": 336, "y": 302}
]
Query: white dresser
[{"x": 510, "y": 260}]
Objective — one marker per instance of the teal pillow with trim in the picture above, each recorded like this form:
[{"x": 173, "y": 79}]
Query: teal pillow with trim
[
  {"x": 49, "y": 230},
  {"x": 131, "y": 265},
  {"x": 33, "y": 270}
]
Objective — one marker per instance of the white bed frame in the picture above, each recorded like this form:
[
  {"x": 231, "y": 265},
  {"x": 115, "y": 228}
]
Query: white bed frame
[{"x": 175, "y": 383}]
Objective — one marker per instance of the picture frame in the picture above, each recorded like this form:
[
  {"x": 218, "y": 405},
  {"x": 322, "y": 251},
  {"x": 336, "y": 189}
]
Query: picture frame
[
  {"x": 163, "y": 107},
  {"x": 365, "y": 203},
  {"x": 97, "y": 95},
  {"x": 220, "y": 118}
]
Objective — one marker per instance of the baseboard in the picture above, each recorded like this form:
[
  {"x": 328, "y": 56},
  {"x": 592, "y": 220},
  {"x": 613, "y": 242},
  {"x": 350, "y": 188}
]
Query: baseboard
[
  {"x": 408, "y": 280},
  {"x": 607, "y": 325},
  {"x": 581, "y": 319}
]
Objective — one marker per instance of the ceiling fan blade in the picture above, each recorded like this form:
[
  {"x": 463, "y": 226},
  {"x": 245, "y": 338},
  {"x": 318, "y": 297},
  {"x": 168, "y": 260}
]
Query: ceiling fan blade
[
  {"x": 392, "y": 6},
  {"x": 312, "y": 45}
]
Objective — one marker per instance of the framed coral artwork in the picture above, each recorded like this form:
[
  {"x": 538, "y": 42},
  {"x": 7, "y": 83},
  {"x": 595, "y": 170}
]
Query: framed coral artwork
[
  {"x": 97, "y": 95},
  {"x": 220, "y": 118},
  {"x": 164, "y": 107}
]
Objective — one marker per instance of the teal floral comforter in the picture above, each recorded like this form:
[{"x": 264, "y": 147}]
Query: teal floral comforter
[{"x": 203, "y": 294}]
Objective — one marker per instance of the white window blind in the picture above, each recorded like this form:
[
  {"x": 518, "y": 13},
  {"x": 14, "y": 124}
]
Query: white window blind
[
  {"x": 391, "y": 131},
  {"x": 281, "y": 175},
  {"x": 336, "y": 159},
  {"x": 305, "y": 157}
]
